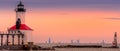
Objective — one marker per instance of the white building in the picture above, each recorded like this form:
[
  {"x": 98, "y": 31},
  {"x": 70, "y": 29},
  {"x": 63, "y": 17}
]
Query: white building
[{"x": 20, "y": 15}]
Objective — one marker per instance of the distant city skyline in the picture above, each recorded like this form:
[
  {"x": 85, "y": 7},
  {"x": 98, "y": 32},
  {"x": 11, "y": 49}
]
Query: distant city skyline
[{"x": 66, "y": 20}]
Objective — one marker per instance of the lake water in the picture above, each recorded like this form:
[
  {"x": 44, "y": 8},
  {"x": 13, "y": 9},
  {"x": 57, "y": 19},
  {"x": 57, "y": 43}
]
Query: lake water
[
  {"x": 87, "y": 49},
  {"x": 76, "y": 49}
]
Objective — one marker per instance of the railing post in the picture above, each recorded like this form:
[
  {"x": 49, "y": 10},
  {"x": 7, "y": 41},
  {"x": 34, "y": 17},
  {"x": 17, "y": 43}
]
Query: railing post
[
  {"x": 7, "y": 39},
  {"x": 13, "y": 39},
  {"x": 22, "y": 39},
  {"x": 1, "y": 40},
  {"x": 18, "y": 39}
]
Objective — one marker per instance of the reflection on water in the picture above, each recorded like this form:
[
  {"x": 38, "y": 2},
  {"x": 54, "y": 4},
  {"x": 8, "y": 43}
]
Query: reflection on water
[{"x": 73, "y": 49}]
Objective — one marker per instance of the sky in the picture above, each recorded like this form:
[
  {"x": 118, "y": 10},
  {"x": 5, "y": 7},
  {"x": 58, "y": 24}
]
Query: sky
[{"x": 90, "y": 21}]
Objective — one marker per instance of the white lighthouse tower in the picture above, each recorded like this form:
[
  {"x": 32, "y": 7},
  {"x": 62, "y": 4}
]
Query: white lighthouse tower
[
  {"x": 20, "y": 12},
  {"x": 20, "y": 19}
]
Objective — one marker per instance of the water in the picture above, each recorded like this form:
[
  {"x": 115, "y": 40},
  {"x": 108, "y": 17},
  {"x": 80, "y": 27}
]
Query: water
[
  {"x": 88, "y": 49},
  {"x": 74, "y": 49}
]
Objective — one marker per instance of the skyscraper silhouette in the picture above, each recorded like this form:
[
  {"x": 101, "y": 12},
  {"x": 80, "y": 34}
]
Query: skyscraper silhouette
[{"x": 115, "y": 40}]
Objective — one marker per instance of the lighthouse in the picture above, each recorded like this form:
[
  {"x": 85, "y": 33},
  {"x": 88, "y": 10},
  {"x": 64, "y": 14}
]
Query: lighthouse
[{"x": 20, "y": 23}]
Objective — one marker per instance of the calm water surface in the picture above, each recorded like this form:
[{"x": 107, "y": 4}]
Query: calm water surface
[
  {"x": 75, "y": 49},
  {"x": 87, "y": 49}
]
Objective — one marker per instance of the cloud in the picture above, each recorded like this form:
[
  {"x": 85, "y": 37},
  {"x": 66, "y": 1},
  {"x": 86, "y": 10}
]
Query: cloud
[{"x": 113, "y": 18}]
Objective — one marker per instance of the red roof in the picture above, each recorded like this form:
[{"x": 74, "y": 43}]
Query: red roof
[{"x": 22, "y": 27}]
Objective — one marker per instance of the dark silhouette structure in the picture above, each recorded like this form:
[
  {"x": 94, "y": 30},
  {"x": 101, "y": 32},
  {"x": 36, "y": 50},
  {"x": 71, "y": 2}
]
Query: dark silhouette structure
[
  {"x": 18, "y": 23},
  {"x": 115, "y": 40}
]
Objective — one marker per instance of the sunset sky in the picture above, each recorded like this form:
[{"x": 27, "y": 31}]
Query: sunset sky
[{"x": 89, "y": 21}]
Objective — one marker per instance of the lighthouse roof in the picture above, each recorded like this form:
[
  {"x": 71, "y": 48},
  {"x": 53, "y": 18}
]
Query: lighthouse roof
[
  {"x": 20, "y": 4},
  {"x": 22, "y": 27}
]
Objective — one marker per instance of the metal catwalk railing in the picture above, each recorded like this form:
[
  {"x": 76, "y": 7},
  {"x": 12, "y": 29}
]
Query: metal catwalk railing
[{"x": 6, "y": 36}]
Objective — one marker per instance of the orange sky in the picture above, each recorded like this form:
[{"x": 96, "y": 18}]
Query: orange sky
[{"x": 65, "y": 25}]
